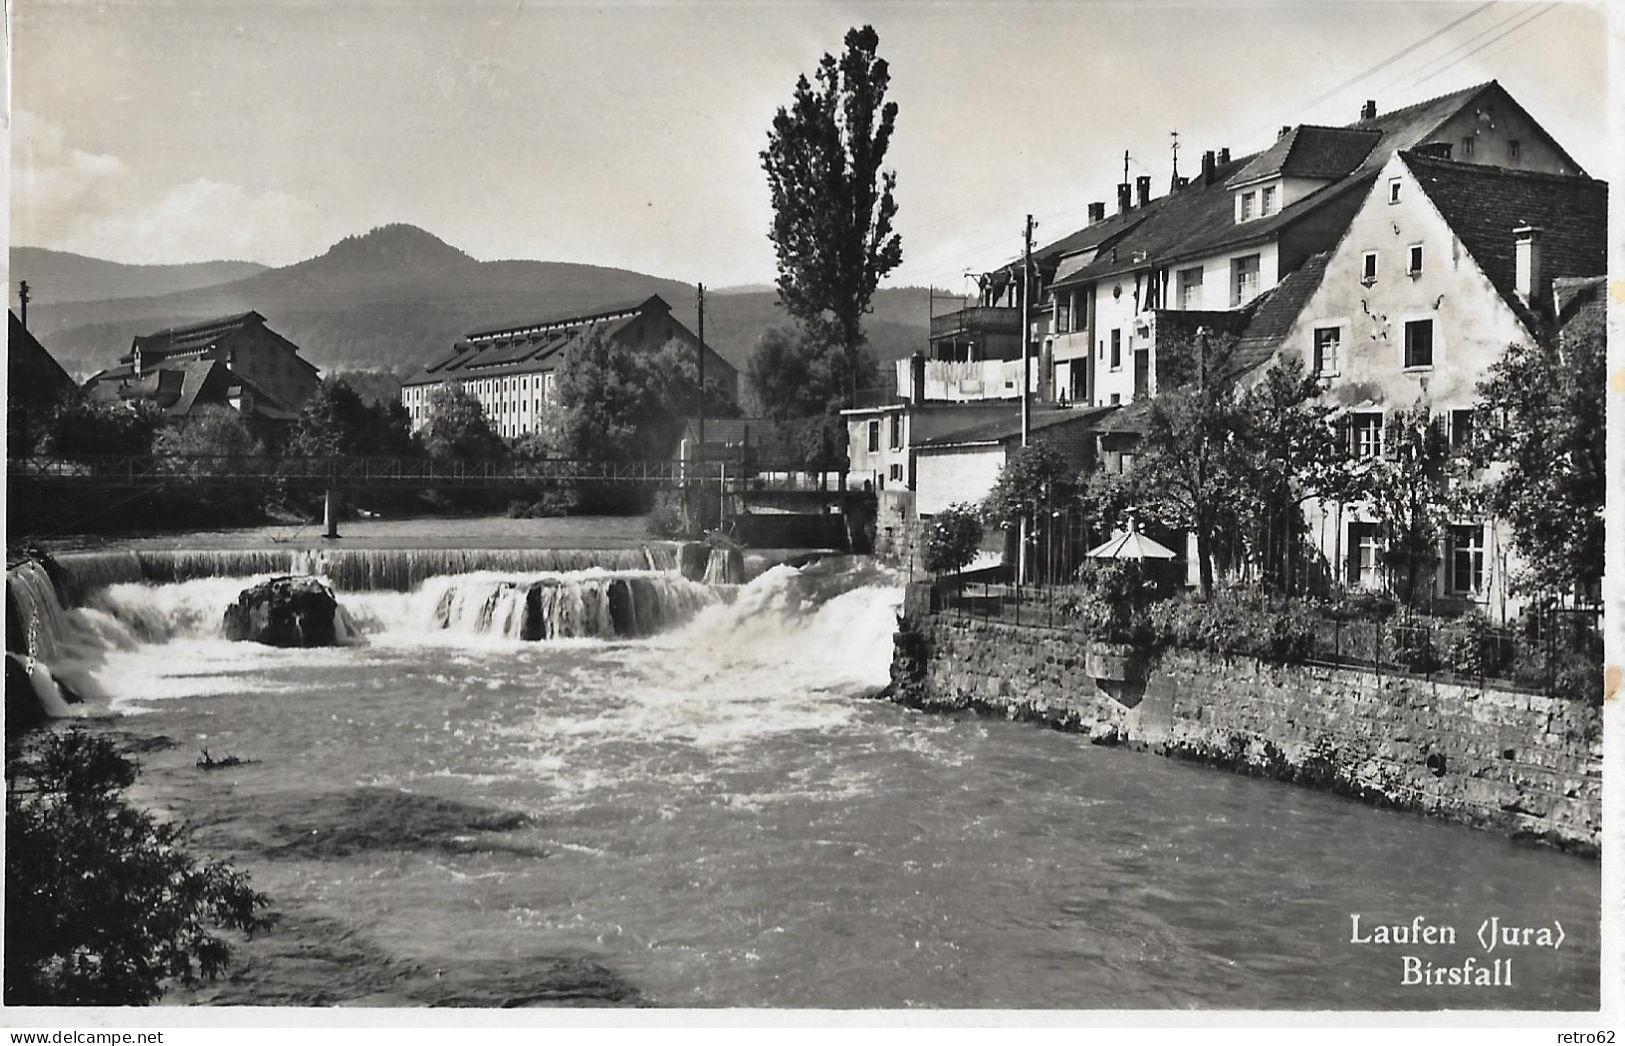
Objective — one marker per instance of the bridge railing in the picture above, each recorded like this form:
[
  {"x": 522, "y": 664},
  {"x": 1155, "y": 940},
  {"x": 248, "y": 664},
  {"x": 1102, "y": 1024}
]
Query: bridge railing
[{"x": 344, "y": 471}]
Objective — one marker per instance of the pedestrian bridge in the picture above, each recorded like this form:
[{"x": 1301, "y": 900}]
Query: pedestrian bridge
[{"x": 322, "y": 473}]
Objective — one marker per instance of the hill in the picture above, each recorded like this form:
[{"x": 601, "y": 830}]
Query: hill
[
  {"x": 57, "y": 276},
  {"x": 398, "y": 295}
]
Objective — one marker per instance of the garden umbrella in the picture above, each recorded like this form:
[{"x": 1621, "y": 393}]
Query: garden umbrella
[{"x": 1131, "y": 544}]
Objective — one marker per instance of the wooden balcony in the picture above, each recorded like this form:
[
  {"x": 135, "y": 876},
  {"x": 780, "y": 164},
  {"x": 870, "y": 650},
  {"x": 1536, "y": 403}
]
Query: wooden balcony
[{"x": 976, "y": 322}]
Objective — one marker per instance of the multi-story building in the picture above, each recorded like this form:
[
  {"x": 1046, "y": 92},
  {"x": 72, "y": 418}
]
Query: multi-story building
[
  {"x": 1444, "y": 265},
  {"x": 512, "y": 370},
  {"x": 234, "y": 361},
  {"x": 1208, "y": 250}
]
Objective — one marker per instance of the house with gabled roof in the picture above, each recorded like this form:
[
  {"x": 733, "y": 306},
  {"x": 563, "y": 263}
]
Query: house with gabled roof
[
  {"x": 1218, "y": 242},
  {"x": 1444, "y": 265},
  {"x": 512, "y": 370},
  {"x": 234, "y": 361}
]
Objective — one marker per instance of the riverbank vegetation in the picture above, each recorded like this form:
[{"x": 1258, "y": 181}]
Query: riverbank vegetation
[{"x": 105, "y": 905}]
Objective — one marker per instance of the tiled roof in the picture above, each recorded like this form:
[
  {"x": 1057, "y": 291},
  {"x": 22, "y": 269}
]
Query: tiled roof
[
  {"x": 576, "y": 316},
  {"x": 534, "y": 353},
  {"x": 195, "y": 335},
  {"x": 1307, "y": 151},
  {"x": 1580, "y": 298},
  {"x": 1276, "y": 311},
  {"x": 1008, "y": 427},
  {"x": 1484, "y": 204},
  {"x": 1199, "y": 220}
]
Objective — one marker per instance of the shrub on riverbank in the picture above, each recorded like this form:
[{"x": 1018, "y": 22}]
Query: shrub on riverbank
[{"x": 103, "y": 903}]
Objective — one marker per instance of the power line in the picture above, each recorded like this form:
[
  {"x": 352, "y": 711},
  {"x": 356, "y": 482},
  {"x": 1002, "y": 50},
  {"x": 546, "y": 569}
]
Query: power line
[
  {"x": 1514, "y": 16},
  {"x": 1548, "y": 9},
  {"x": 1390, "y": 60}
]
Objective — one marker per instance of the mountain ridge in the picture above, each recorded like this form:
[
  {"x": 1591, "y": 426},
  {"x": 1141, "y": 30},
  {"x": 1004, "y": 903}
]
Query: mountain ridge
[{"x": 393, "y": 297}]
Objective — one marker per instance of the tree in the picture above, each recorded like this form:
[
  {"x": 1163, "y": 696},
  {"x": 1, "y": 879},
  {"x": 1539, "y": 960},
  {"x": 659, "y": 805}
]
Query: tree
[
  {"x": 457, "y": 427},
  {"x": 1410, "y": 492},
  {"x": 82, "y": 425},
  {"x": 951, "y": 539},
  {"x": 617, "y": 402},
  {"x": 832, "y": 204},
  {"x": 1031, "y": 477},
  {"x": 1192, "y": 465},
  {"x": 799, "y": 373},
  {"x": 336, "y": 420},
  {"x": 103, "y": 902},
  {"x": 1292, "y": 455},
  {"x": 218, "y": 434},
  {"x": 1543, "y": 415}
]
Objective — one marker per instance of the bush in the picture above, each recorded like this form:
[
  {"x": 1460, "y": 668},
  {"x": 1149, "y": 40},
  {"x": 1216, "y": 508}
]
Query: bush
[
  {"x": 1236, "y": 622},
  {"x": 667, "y": 518},
  {"x": 103, "y": 904},
  {"x": 951, "y": 539},
  {"x": 553, "y": 503},
  {"x": 1358, "y": 605}
]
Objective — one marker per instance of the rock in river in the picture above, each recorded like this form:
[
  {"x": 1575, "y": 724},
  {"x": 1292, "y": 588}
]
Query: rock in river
[{"x": 284, "y": 611}]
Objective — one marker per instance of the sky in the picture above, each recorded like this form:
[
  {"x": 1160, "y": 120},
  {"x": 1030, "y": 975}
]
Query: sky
[{"x": 628, "y": 134}]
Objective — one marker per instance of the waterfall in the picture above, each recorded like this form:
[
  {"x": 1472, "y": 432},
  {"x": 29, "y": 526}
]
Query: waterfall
[
  {"x": 593, "y": 604},
  {"x": 725, "y": 567},
  {"x": 34, "y": 613}
]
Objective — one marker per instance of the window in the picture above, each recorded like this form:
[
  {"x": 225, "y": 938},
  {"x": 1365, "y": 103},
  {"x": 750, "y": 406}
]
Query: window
[
  {"x": 895, "y": 473},
  {"x": 874, "y": 437},
  {"x": 1465, "y": 554},
  {"x": 1117, "y": 349},
  {"x": 1393, "y": 190},
  {"x": 896, "y": 432},
  {"x": 1190, "y": 288},
  {"x": 1363, "y": 563},
  {"x": 1419, "y": 343},
  {"x": 1267, "y": 201},
  {"x": 1461, "y": 429},
  {"x": 1243, "y": 279},
  {"x": 1328, "y": 349},
  {"x": 1467, "y": 147},
  {"x": 1117, "y": 397},
  {"x": 1367, "y": 434},
  {"x": 1512, "y": 149},
  {"x": 547, "y": 387},
  {"x": 1244, "y": 211},
  {"x": 1416, "y": 260},
  {"x": 1080, "y": 314},
  {"x": 1368, "y": 268},
  {"x": 1063, "y": 313}
]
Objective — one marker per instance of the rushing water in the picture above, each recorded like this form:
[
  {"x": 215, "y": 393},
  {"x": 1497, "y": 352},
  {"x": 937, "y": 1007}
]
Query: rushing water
[{"x": 719, "y": 815}]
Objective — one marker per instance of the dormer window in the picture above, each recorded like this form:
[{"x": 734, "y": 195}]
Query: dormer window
[
  {"x": 1246, "y": 207},
  {"x": 1267, "y": 201}
]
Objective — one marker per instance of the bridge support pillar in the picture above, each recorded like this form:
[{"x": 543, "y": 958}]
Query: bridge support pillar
[{"x": 330, "y": 513}]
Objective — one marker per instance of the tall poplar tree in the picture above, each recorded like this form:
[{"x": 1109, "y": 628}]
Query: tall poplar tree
[{"x": 832, "y": 203}]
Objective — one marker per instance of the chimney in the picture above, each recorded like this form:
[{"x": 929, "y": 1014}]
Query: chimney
[
  {"x": 1097, "y": 212},
  {"x": 22, "y": 298},
  {"x": 1224, "y": 156},
  {"x": 1526, "y": 246},
  {"x": 1368, "y": 111},
  {"x": 916, "y": 378},
  {"x": 1180, "y": 181},
  {"x": 1142, "y": 190},
  {"x": 1285, "y": 130},
  {"x": 1207, "y": 167},
  {"x": 1124, "y": 189}
]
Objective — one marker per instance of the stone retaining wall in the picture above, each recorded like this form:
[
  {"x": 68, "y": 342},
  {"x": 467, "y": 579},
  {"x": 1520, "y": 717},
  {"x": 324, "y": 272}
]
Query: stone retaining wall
[{"x": 1525, "y": 765}]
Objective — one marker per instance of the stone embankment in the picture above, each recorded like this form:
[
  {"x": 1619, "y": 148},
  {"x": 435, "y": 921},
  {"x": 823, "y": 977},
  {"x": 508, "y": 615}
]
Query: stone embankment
[{"x": 1526, "y": 765}]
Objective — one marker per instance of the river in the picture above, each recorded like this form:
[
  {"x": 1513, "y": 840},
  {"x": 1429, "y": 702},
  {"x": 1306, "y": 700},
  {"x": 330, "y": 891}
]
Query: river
[{"x": 721, "y": 815}]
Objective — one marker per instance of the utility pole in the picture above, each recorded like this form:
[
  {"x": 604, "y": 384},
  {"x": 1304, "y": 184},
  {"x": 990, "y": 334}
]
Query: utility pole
[
  {"x": 701, "y": 306},
  {"x": 1026, "y": 378},
  {"x": 1026, "y": 332},
  {"x": 22, "y": 297}
]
